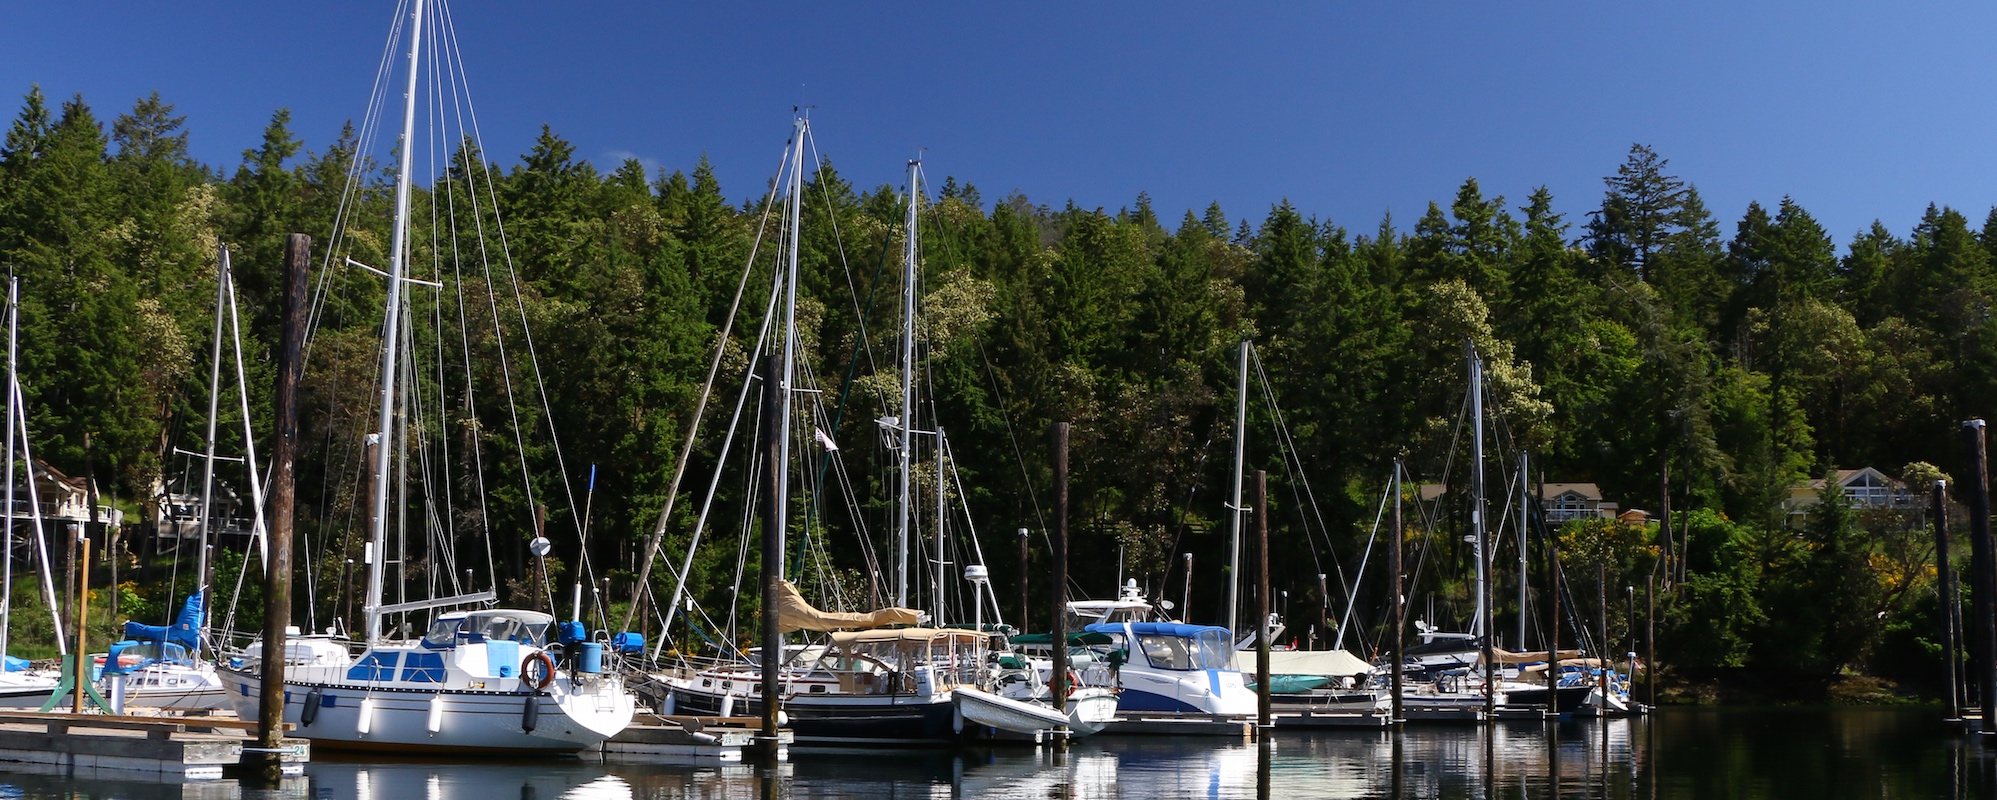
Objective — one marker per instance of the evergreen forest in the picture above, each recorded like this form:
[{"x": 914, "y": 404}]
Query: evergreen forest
[{"x": 1700, "y": 364}]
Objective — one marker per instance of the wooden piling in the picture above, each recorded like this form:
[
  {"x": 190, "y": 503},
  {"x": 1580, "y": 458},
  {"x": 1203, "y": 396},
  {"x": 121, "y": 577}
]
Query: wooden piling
[
  {"x": 769, "y": 740},
  {"x": 1262, "y": 716},
  {"x": 1983, "y": 584},
  {"x": 1057, "y": 680},
  {"x": 283, "y": 501}
]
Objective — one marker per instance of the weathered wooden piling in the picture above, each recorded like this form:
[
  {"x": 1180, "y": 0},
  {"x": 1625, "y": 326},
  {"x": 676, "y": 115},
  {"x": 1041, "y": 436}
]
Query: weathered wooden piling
[
  {"x": 1057, "y": 679},
  {"x": 769, "y": 740},
  {"x": 1262, "y": 688},
  {"x": 1983, "y": 584},
  {"x": 283, "y": 497}
]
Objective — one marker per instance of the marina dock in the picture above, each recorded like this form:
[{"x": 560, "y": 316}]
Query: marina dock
[
  {"x": 164, "y": 748},
  {"x": 1308, "y": 720},
  {"x": 1162, "y": 723},
  {"x": 687, "y": 740}
]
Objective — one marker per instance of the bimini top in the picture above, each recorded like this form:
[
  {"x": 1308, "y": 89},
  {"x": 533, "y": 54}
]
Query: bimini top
[
  {"x": 1178, "y": 629},
  {"x": 905, "y": 635}
]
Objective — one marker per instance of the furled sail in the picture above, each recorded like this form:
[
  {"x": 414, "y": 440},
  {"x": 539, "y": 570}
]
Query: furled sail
[{"x": 794, "y": 614}]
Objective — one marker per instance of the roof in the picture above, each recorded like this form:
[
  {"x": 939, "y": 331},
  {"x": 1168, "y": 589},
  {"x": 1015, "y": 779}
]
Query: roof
[
  {"x": 843, "y": 638},
  {"x": 1589, "y": 491},
  {"x": 1178, "y": 629},
  {"x": 1846, "y": 476},
  {"x": 1585, "y": 490}
]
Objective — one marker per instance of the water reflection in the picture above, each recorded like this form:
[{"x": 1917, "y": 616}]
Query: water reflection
[{"x": 1783, "y": 753}]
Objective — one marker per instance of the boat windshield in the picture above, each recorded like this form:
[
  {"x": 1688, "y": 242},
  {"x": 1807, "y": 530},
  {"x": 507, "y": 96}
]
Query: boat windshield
[
  {"x": 525, "y": 627},
  {"x": 1209, "y": 650}
]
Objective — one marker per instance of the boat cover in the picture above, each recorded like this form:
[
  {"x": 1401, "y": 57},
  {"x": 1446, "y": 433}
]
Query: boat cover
[
  {"x": 185, "y": 630},
  {"x": 1503, "y": 656},
  {"x": 794, "y": 614},
  {"x": 1178, "y": 629},
  {"x": 1337, "y": 663}
]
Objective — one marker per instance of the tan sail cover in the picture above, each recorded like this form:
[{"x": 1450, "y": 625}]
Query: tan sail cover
[
  {"x": 794, "y": 614},
  {"x": 1530, "y": 657},
  {"x": 1567, "y": 662}
]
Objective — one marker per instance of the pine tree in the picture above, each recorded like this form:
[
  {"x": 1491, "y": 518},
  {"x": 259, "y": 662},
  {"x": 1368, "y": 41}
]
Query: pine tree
[{"x": 1640, "y": 211}]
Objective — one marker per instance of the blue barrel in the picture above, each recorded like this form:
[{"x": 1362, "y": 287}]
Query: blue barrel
[{"x": 590, "y": 658}]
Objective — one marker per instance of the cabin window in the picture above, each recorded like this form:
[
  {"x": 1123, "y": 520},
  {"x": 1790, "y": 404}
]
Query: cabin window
[
  {"x": 1166, "y": 652},
  {"x": 443, "y": 633},
  {"x": 375, "y": 667},
  {"x": 424, "y": 668}
]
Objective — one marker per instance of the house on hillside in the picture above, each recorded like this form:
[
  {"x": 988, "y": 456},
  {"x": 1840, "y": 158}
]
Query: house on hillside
[
  {"x": 1570, "y": 501},
  {"x": 1561, "y": 501},
  {"x": 63, "y": 499},
  {"x": 1863, "y": 488}
]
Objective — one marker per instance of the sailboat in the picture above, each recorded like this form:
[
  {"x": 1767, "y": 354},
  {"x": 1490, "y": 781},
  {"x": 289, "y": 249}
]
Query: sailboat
[
  {"x": 21, "y": 686},
  {"x": 479, "y": 680},
  {"x": 1468, "y": 670},
  {"x": 871, "y": 682},
  {"x": 165, "y": 666}
]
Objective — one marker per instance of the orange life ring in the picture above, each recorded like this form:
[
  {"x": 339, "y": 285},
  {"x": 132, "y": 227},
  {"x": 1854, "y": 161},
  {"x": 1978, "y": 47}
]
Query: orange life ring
[
  {"x": 547, "y": 670},
  {"x": 1074, "y": 682}
]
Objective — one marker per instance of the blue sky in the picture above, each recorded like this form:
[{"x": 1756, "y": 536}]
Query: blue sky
[{"x": 1348, "y": 110}]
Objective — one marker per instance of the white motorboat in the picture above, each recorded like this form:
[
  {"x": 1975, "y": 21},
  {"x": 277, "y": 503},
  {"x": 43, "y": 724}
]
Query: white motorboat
[{"x": 1175, "y": 667}]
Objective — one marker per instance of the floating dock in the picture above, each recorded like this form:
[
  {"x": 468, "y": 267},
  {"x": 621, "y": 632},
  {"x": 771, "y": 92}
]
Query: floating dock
[
  {"x": 166, "y": 748},
  {"x": 1520, "y": 714},
  {"x": 1305, "y": 720},
  {"x": 1149, "y": 723},
  {"x": 1444, "y": 714},
  {"x": 688, "y": 740}
]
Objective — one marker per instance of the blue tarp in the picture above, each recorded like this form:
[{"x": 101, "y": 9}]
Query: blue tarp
[
  {"x": 185, "y": 630},
  {"x": 15, "y": 664},
  {"x": 1179, "y": 629}
]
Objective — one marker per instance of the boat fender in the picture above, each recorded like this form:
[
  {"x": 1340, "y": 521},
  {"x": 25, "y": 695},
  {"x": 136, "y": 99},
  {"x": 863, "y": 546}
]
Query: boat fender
[
  {"x": 537, "y": 670},
  {"x": 530, "y": 714},
  {"x": 310, "y": 713}
]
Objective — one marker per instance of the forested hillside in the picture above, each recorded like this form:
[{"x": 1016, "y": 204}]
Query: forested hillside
[{"x": 1675, "y": 355}]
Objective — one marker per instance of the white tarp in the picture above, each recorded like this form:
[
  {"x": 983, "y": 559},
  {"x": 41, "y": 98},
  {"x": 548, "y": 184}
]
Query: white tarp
[{"x": 1333, "y": 663}]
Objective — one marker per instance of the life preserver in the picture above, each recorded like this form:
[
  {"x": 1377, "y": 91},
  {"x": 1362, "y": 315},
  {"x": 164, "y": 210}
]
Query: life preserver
[
  {"x": 1074, "y": 682},
  {"x": 546, "y": 670}
]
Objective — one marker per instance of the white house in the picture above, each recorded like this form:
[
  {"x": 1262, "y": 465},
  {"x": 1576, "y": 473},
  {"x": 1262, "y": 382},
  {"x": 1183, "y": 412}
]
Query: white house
[{"x": 1863, "y": 488}]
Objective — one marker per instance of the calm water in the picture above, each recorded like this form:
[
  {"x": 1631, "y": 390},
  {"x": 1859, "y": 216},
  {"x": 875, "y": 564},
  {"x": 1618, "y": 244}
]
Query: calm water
[{"x": 1735, "y": 753}]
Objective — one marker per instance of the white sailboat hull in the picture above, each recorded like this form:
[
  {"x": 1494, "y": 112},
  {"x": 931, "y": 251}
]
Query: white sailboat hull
[
  {"x": 27, "y": 689},
  {"x": 364, "y": 717},
  {"x": 173, "y": 687}
]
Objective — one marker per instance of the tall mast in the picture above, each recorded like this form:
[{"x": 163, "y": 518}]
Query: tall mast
[
  {"x": 214, "y": 403},
  {"x": 1234, "y": 508},
  {"x": 1484, "y": 630},
  {"x": 7, "y": 557},
  {"x": 1477, "y": 483},
  {"x": 941, "y": 573},
  {"x": 782, "y": 487},
  {"x": 905, "y": 508},
  {"x": 1525, "y": 515},
  {"x": 391, "y": 334}
]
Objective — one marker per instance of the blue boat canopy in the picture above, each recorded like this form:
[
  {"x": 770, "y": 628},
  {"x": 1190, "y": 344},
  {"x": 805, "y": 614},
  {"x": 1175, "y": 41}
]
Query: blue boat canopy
[
  {"x": 185, "y": 630},
  {"x": 1178, "y": 629}
]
